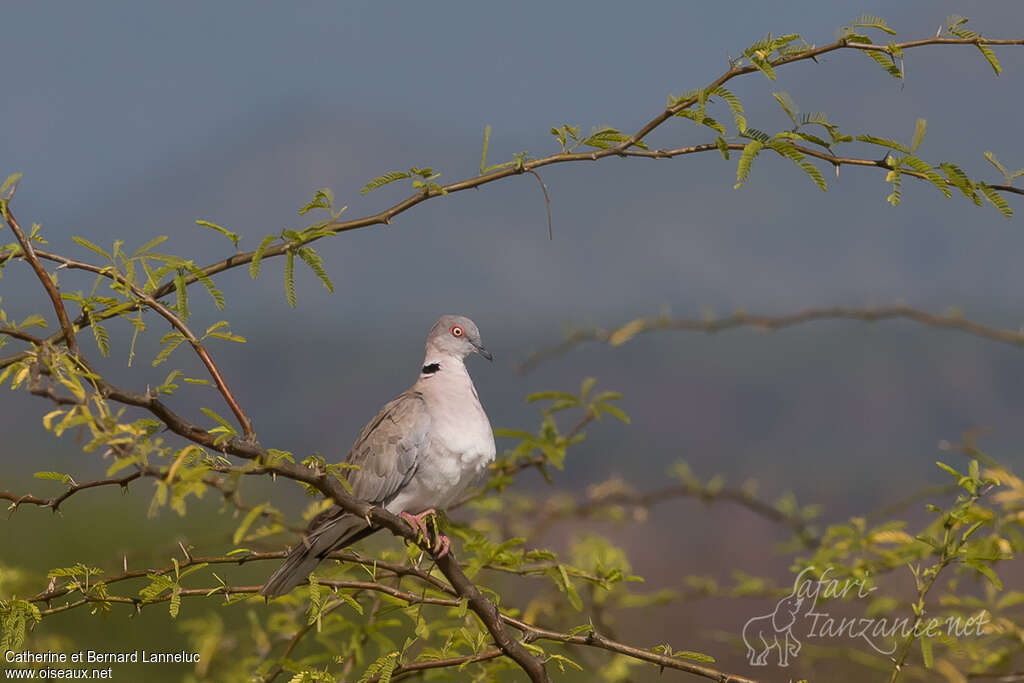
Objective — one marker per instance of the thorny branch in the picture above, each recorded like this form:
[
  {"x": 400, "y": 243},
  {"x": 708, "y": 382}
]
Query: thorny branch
[
  {"x": 459, "y": 587},
  {"x": 623, "y": 149},
  {"x": 530, "y": 632}
]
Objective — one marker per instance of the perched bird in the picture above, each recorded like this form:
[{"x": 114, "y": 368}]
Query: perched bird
[{"x": 419, "y": 454}]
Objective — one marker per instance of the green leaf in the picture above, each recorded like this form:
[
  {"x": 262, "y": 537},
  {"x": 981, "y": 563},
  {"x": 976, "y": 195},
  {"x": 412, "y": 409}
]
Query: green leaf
[
  {"x": 871, "y": 21},
  {"x": 961, "y": 181},
  {"x": 56, "y": 476},
  {"x": 235, "y": 239},
  {"x": 797, "y": 157},
  {"x": 257, "y": 257},
  {"x": 381, "y": 669},
  {"x": 750, "y": 151},
  {"x": 90, "y": 246},
  {"x": 316, "y": 264},
  {"x": 323, "y": 199},
  {"x": 169, "y": 342},
  {"x": 155, "y": 242},
  {"x": 896, "y": 178},
  {"x": 99, "y": 333},
  {"x": 883, "y": 142},
  {"x": 225, "y": 425},
  {"x": 987, "y": 572},
  {"x": 919, "y": 128},
  {"x": 723, "y": 147},
  {"x": 996, "y": 199},
  {"x": 247, "y": 522},
  {"x": 763, "y": 66},
  {"x": 606, "y": 138},
  {"x": 788, "y": 105},
  {"x": 289, "y": 277},
  {"x": 33, "y": 320},
  {"x": 705, "y": 121},
  {"x": 926, "y": 652},
  {"x": 615, "y": 411},
  {"x": 1002, "y": 169},
  {"x": 569, "y": 589},
  {"x": 182, "y": 291},
  {"x": 738, "y": 115},
  {"x": 207, "y": 282},
  {"x": 696, "y": 656},
  {"x": 9, "y": 186},
  {"x": 955, "y": 25},
  {"x": 385, "y": 179},
  {"x": 887, "y": 61},
  {"x": 487, "y": 143},
  {"x": 930, "y": 173}
]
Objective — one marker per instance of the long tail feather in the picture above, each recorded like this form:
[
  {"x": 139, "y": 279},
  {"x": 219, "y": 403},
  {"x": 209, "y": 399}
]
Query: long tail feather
[{"x": 304, "y": 557}]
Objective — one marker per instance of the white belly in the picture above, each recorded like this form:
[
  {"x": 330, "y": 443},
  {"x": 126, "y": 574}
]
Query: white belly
[{"x": 461, "y": 442}]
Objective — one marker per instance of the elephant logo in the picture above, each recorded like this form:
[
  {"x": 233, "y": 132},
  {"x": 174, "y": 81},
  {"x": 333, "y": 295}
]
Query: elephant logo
[{"x": 774, "y": 631}]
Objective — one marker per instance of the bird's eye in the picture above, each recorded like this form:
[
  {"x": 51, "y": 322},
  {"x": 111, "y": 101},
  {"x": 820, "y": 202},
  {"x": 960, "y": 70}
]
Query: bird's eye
[{"x": 456, "y": 331}]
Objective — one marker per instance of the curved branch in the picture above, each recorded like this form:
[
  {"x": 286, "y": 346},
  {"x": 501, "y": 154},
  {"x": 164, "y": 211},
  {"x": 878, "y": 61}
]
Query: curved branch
[
  {"x": 176, "y": 322},
  {"x": 55, "y": 502},
  {"x": 707, "y": 494},
  {"x": 530, "y": 632},
  {"x": 619, "y": 336},
  {"x": 623, "y": 149},
  {"x": 67, "y": 330},
  {"x": 332, "y": 488}
]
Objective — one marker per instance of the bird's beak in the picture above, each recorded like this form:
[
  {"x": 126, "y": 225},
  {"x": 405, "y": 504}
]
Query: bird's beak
[{"x": 483, "y": 352}]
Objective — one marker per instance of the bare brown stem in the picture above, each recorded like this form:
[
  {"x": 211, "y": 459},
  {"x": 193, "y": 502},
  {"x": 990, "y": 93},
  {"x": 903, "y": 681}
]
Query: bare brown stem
[{"x": 622, "y": 334}]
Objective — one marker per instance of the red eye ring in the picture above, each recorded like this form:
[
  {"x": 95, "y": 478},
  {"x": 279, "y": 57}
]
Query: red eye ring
[{"x": 456, "y": 331}]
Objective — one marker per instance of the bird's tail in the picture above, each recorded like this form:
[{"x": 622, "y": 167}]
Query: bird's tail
[{"x": 303, "y": 558}]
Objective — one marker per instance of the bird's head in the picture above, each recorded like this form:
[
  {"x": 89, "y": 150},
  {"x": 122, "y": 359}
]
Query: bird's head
[{"x": 456, "y": 335}]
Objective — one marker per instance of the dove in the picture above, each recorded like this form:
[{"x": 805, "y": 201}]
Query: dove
[{"x": 421, "y": 452}]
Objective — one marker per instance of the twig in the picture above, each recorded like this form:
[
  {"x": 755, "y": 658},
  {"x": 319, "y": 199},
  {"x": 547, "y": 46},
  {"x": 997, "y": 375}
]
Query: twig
[
  {"x": 176, "y": 322},
  {"x": 596, "y": 505},
  {"x": 547, "y": 201},
  {"x": 48, "y": 284},
  {"x": 768, "y": 322},
  {"x": 55, "y": 502},
  {"x": 530, "y": 632},
  {"x": 624, "y": 148}
]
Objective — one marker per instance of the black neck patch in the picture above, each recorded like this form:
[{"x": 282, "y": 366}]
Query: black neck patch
[{"x": 431, "y": 369}]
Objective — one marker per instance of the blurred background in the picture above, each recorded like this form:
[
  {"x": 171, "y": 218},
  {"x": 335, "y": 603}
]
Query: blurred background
[{"x": 131, "y": 120}]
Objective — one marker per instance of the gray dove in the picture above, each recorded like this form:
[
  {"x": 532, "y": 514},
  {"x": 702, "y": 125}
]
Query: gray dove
[{"x": 419, "y": 454}]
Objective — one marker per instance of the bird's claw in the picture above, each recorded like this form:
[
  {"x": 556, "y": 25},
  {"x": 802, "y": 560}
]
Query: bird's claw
[{"x": 442, "y": 544}]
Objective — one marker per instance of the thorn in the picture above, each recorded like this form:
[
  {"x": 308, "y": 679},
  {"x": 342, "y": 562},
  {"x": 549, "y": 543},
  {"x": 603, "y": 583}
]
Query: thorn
[
  {"x": 837, "y": 171},
  {"x": 938, "y": 31},
  {"x": 53, "y": 584},
  {"x": 125, "y": 564},
  {"x": 184, "y": 551}
]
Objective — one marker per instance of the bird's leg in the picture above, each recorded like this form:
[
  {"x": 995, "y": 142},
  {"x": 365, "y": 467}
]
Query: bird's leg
[{"x": 442, "y": 544}]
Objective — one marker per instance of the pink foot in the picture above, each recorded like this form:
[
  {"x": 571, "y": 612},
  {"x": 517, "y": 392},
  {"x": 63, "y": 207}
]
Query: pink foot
[{"x": 442, "y": 545}]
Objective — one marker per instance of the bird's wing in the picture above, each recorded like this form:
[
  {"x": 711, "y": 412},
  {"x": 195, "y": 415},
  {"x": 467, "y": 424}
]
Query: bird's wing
[
  {"x": 390, "y": 449},
  {"x": 386, "y": 456}
]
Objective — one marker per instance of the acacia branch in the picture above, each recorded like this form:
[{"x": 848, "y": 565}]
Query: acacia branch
[
  {"x": 623, "y": 149},
  {"x": 55, "y": 502},
  {"x": 332, "y": 488},
  {"x": 176, "y": 322},
  {"x": 19, "y": 334},
  {"x": 616, "y": 337},
  {"x": 597, "y": 504},
  {"x": 52, "y": 290},
  {"x": 531, "y": 633}
]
